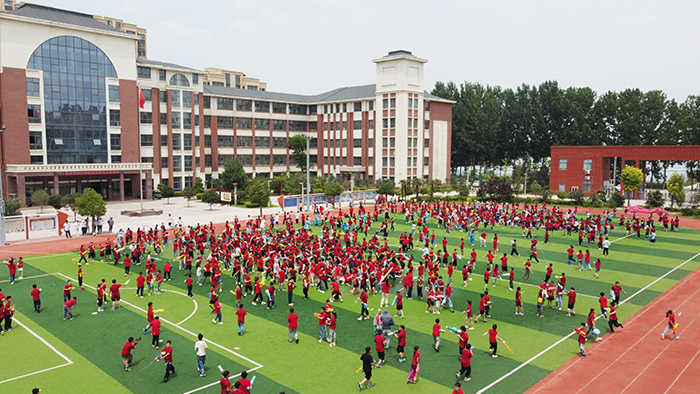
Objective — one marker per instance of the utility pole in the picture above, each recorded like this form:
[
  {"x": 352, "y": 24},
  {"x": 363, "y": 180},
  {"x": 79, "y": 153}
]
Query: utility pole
[
  {"x": 3, "y": 238},
  {"x": 308, "y": 176}
]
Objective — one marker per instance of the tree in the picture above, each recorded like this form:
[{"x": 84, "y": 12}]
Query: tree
[
  {"x": 655, "y": 199},
  {"x": 616, "y": 200},
  {"x": 91, "y": 204},
  {"x": 259, "y": 193},
  {"x": 40, "y": 197},
  {"x": 535, "y": 188},
  {"x": 676, "y": 189},
  {"x": 12, "y": 206},
  {"x": 498, "y": 188},
  {"x": 417, "y": 183},
  {"x": 333, "y": 190},
  {"x": 386, "y": 187},
  {"x": 166, "y": 191},
  {"x": 188, "y": 193},
  {"x": 234, "y": 174},
  {"x": 56, "y": 201},
  {"x": 70, "y": 201},
  {"x": 297, "y": 149},
  {"x": 211, "y": 197},
  {"x": 198, "y": 185},
  {"x": 631, "y": 178},
  {"x": 576, "y": 196}
]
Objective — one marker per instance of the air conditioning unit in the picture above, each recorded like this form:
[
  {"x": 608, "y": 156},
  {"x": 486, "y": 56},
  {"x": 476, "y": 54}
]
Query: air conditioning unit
[
  {"x": 588, "y": 172},
  {"x": 587, "y": 178}
]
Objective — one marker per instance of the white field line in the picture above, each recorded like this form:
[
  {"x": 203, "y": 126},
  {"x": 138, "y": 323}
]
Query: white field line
[
  {"x": 176, "y": 292},
  {"x": 28, "y": 277},
  {"x": 617, "y": 239},
  {"x": 538, "y": 355},
  {"x": 181, "y": 328},
  {"x": 63, "y": 356}
]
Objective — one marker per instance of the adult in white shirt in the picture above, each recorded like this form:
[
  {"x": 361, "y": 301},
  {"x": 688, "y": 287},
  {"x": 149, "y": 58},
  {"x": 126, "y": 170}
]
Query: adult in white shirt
[
  {"x": 66, "y": 229},
  {"x": 201, "y": 348},
  {"x": 606, "y": 247}
]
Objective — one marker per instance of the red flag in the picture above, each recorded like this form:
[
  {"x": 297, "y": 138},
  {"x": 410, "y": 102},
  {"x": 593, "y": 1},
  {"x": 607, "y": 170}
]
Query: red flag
[{"x": 142, "y": 100}]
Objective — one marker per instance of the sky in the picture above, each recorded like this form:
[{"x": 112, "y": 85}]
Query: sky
[{"x": 312, "y": 46}]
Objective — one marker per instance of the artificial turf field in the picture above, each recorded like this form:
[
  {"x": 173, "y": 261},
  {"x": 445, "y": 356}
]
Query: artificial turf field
[{"x": 82, "y": 355}]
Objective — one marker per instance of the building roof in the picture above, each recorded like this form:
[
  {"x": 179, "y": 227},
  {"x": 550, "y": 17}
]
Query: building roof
[
  {"x": 340, "y": 94},
  {"x": 154, "y": 63},
  {"x": 62, "y": 16}
]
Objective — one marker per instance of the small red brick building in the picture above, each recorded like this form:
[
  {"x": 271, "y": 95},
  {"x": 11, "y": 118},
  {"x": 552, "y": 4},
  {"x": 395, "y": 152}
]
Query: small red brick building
[{"x": 589, "y": 168}]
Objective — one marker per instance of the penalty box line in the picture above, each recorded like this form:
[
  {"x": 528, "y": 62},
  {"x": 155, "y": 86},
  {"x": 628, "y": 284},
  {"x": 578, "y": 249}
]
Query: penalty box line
[
  {"x": 258, "y": 365},
  {"x": 45, "y": 342}
]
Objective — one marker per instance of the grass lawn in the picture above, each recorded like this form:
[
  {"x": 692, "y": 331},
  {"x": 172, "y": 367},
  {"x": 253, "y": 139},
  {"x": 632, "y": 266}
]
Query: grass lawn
[{"x": 83, "y": 354}]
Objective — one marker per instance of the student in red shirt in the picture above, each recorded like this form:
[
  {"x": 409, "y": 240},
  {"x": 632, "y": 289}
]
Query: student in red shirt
[
  {"x": 245, "y": 383},
  {"x": 590, "y": 325},
  {"x": 36, "y": 298},
  {"x": 67, "y": 307},
  {"x": 415, "y": 365},
  {"x": 140, "y": 284},
  {"x": 293, "y": 320},
  {"x": 612, "y": 321},
  {"x": 66, "y": 291},
  {"x": 465, "y": 364},
  {"x": 603, "y": 304},
  {"x": 241, "y": 319},
  {"x": 518, "y": 301},
  {"x": 581, "y": 331},
  {"x": 225, "y": 383},
  {"x": 458, "y": 389},
  {"x": 217, "y": 313},
  {"x": 380, "y": 344},
  {"x": 331, "y": 328},
  {"x": 572, "y": 301},
  {"x": 470, "y": 315},
  {"x": 493, "y": 337},
  {"x": 270, "y": 295},
  {"x": 114, "y": 293},
  {"x": 127, "y": 357},
  {"x": 671, "y": 324},
  {"x": 155, "y": 331},
  {"x": 437, "y": 329},
  {"x": 167, "y": 356},
  {"x": 401, "y": 335}
]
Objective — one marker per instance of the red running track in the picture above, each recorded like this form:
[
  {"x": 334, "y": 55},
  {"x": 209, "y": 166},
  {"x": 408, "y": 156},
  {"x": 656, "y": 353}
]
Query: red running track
[{"x": 636, "y": 359}]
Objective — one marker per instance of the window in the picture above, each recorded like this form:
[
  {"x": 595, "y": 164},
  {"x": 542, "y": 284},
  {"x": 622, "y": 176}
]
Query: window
[
  {"x": 345, "y": 143},
  {"x": 385, "y": 103},
  {"x": 562, "y": 187},
  {"x": 175, "y": 116},
  {"x": 116, "y": 159},
  {"x": 187, "y": 120},
  {"x": 177, "y": 163},
  {"x": 385, "y": 162},
  {"x": 426, "y": 143},
  {"x": 244, "y": 123},
  {"x": 392, "y": 103},
  {"x": 196, "y": 140},
  {"x": 225, "y": 122},
  {"x": 146, "y": 140},
  {"x": 207, "y": 141},
  {"x": 163, "y": 140},
  {"x": 385, "y": 142},
  {"x": 196, "y": 99},
  {"x": 410, "y": 103},
  {"x": 279, "y": 125},
  {"x": 207, "y": 102},
  {"x": 187, "y": 99},
  {"x": 207, "y": 121},
  {"x": 113, "y": 93},
  {"x": 217, "y": 84},
  {"x": 392, "y": 142},
  {"x": 587, "y": 166},
  {"x": 34, "y": 113},
  {"x": 357, "y": 124},
  {"x": 188, "y": 180},
  {"x": 426, "y": 161},
  {"x": 313, "y": 126},
  {"x": 179, "y": 80},
  {"x": 244, "y": 141},
  {"x": 175, "y": 98},
  {"x": 163, "y": 119},
  {"x": 224, "y": 140},
  {"x": 279, "y": 142},
  {"x": 415, "y": 103},
  {"x": 164, "y": 162},
  {"x": 279, "y": 108},
  {"x": 357, "y": 161},
  {"x": 144, "y": 72},
  {"x": 313, "y": 109},
  {"x": 33, "y": 89},
  {"x": 228, "y": 80},
  {"x": 161, "y": 75},
  {"x": 262, "y": 106},
  {"x": 247, "y": 160},
  {"x": 263, "y": 160},
  {"x": 371, "y": 123},
  {"x": 385, "y": 123},
  {"x": 223, "y": 159},
  {"x": 297, "y": 125},
  {"x": 262, "y": 142},
  {"x": 177, "y": 141},
  {"x": 188, "y": 163},
  {"x": 163, "y": 96},
  {"x": 35, "y": 140},
  {"x": 238, "y": 81},
  {"x": 370, "y": 143},
  {"x": 262, "y": 124},
  {"x": 345, "y": 107},
  {"x": 146, "y": 159},
  {"x": 114, "y": 117},
  {"x": 357, "y": 143},
  {"x": 371, "y": 105},
  {"x": 586, "y": 186},
  {"x": 146, "y": 94},
  {"x": 187, "y": 141},
  {"x": 562, "y": 164},
  {"x": 297, "y": 109},
  {"x": 244, "y": 105},
  {"x": 195, "y": 79},
  {"x": 36, "y": 159},
  {"x": 427, "y": 105},
  {"x": 279, "y": 160},
  {"x": 410, "y": 142},
  {"x": 415, "y": 162},
  {"x": 177, "y": 183},
  {"x": 358, "y": 106},
  {"x": 392, "y": 123}
]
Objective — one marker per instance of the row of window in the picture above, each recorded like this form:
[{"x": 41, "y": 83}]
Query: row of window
[
  {"x": 176, "y": 80},
  {"x": 390, "y": 162},
  {"x": 586, "y": 187},
  {"x": 587, "y": 164}
]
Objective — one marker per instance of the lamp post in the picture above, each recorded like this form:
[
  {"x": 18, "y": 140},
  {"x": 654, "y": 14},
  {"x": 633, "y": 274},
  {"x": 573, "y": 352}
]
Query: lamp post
[
  {"x": 2, "y": 201},
  {"x": 302, "y": 193},
  {"x": 235, "y": 194}
]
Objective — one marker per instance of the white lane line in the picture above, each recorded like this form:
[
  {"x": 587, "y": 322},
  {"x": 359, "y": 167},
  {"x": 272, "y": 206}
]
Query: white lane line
[
  {"x": 181, "y": 328},
  {"x": 63, "y": 356},
  {"x": 176, "y": 292},
  {"x": 618, "y": 239},
  {"x": 538, "y": 355},
  {"x": 682, "y": 372},
  {"x": 28, "y": 277}
]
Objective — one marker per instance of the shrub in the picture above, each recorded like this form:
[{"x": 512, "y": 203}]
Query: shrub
[
  {"x": 616, "y": 200},
  {"x": 655, "y": 199},
  {"x": 576, "y": 196},
  {"x": 562, "y": 195},
  {"x": 56, "y": 201}
]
